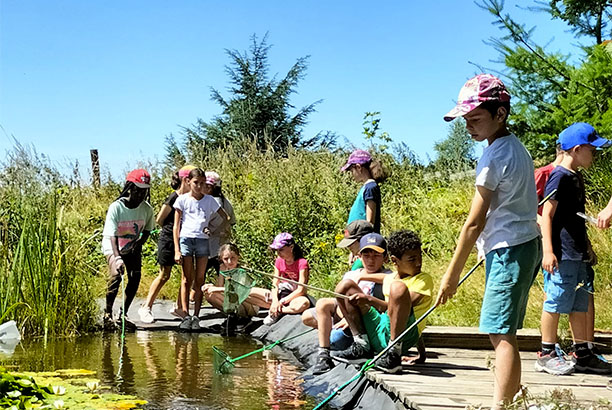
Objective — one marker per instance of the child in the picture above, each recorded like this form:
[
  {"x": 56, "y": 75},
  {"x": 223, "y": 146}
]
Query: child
[
  {"x": 165, "y": 244},
  {"x": 223, "y": 233},
  {"x": 370, "y": 173},
  {"x": 285, "y": 297},
  {"x": 229, "y": 256},
  {"x": 567, "y": 255},
  {"x": 196, "y": 214},
  {"x": 327, "y": 311},
  {"x": 408, "y": 294},
  {"x": 129, "y": 221},
  {"x": 502, "y": 220},
  {"x": 352, "y": 234},
  {"x": 542, "y": 174}
]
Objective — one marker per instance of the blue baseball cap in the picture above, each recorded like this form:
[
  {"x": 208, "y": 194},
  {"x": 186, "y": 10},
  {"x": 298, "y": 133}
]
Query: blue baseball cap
[
  {"x": 581, "y": 133},
  {"x": 373, "y": 241}
]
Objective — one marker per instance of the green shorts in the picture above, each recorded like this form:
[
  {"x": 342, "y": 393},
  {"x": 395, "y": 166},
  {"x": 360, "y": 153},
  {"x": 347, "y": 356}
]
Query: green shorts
[{"x": 378, "y": 328}]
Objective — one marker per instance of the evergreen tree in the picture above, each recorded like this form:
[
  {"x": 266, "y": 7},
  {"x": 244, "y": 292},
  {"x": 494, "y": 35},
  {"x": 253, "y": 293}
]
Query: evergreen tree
[{"x": 456, "y": 151}]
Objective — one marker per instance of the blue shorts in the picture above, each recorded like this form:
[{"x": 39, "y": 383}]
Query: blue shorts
[
  {"x": 510, "y": 272},
  {"x": 197, "y": 247},
  {"x": 566, "y": 289}
]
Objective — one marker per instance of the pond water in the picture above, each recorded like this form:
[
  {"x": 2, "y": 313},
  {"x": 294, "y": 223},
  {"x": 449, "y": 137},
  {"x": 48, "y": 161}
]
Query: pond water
[{"x": 173, "y": 370}]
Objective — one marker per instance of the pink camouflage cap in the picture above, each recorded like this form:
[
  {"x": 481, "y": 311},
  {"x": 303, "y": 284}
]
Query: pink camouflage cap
[
  {"x": 483, "y": 87},
  {"x": 281, "y": 240},
  {"x": 357, "y": 157},
  {"x": 212, "y": 178},
  {"x": 184, "y": 172}
]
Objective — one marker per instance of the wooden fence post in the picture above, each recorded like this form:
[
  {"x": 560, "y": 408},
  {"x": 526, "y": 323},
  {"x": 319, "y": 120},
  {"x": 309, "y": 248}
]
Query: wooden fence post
[{"x": 95, "y": 167}]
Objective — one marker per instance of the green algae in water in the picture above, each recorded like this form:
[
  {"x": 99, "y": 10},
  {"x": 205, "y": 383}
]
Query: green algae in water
[{"x": 61, "y": 389}]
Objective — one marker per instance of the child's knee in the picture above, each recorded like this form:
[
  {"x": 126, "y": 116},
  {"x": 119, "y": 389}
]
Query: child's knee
[{"x": 308, "y": 319}]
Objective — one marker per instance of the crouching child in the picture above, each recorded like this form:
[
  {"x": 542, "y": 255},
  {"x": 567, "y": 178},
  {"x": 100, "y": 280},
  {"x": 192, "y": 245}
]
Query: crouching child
[{"x": 376, "y": 323}]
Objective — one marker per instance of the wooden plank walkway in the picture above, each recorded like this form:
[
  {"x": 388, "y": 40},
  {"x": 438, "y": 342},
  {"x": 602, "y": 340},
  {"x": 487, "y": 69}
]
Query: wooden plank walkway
[{"x": 457, "y": 378}]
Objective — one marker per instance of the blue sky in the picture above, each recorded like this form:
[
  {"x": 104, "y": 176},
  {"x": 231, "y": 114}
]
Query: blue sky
[{"x": 119, "y": 76}]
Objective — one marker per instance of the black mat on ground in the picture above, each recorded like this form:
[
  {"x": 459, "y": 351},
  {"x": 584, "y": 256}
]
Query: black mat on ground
[{"x": 361, "y": 394}]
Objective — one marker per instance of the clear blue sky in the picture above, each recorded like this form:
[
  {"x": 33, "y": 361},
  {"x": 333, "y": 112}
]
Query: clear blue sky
[{"x": 121, "y": 75}]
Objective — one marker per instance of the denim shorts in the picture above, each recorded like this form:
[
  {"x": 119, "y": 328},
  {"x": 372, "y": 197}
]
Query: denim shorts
[
  {"x": 566, "y": 290},
  {"x": 378, "y": 328},
  {"x": 197, "y": 247},
  {"x": 510, "y": 272}
]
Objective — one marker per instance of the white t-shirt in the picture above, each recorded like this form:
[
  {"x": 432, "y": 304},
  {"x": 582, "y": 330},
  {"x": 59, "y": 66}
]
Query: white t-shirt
[
  {"x": 506, "y": 168},
  {"x": 366, "y": 286},
  {"x": 196, "y": 214},
  {"x": 126, "y": 224}
]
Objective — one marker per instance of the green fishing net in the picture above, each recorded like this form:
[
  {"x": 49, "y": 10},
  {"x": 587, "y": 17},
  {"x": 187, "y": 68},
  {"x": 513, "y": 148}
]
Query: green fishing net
[
  {"x": 221, "y": 361},
  {"x": 238, "y": 284}
]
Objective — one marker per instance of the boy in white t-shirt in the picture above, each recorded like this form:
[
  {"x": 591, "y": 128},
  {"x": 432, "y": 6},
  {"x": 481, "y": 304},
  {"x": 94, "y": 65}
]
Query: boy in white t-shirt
[{"x": 502, "y": 222}]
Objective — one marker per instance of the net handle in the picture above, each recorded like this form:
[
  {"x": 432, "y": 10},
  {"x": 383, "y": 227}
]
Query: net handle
[
  {"x": 331, "y": 292},
  {"x": 270, "y": 346}
]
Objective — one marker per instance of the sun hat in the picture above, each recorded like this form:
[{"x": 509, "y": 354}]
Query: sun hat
[
  {"x": 354, "y": 232},
  {"x": 581, "y": 133},
  {"x": 483, "y": 87},
  {"x": 212, "y": 178},
  {"x": 281, "y": 240},
  {"x": 184, "y": 172},
  {"x": 373, "y": 241},
  {"x": 357, "y": 157},
  {"x": 140, "y": 178}
]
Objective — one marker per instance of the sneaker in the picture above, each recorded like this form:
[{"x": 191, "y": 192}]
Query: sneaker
[
  {"x": 324, "y": 364},
  {"x": 269, "y": 320},
  {"x": 185, "y": 324},
  {"x": 195, "y": 323},
  {"x": 554, "y": 363},
  {"x": 390, "y": 362},
  {"x": 146, "y": 316},
  {"x": 108, "y": 324},
  {"x": 592, "y": 364},
  {"x": 597, "y": 353},
  {"x": 355, "y": 351}
]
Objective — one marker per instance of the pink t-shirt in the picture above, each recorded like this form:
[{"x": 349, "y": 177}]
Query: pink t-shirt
[{"x": 291, "y": 271}]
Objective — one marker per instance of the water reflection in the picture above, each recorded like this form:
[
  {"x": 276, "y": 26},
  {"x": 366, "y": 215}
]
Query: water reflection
[{"x": 173, "y": 370}]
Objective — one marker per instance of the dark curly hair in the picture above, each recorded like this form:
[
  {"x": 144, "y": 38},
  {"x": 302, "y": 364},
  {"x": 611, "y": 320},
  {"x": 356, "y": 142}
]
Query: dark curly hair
[{"x": 402, "y": 241}]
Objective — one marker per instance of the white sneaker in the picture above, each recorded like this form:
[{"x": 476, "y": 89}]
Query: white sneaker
[
  {"x": 195, "y": 323},
  {"x": 185, "y": 323},
  {"x": 268, "y": 320},
  {"x": 146, "y": 316}
]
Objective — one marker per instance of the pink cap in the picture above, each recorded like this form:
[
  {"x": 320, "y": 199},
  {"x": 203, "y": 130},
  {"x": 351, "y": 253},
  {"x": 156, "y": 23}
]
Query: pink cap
[
  {"x": 212, "y": 178},
  {"x": 483, "y": 87},
  {"x": 140, "y": 178},
  {"x": 357, "y": 157},
  {"x": 281, "y": 240},
  {"x": 184, "y": 172}
]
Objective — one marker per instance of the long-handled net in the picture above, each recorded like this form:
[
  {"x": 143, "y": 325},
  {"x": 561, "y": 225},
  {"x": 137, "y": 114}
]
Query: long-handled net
[
  {"x": 223, "y": 363},
  {"x": 238, "y": 284}
]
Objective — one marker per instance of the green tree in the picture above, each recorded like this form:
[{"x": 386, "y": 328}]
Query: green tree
[
  {"x": 551, "y": 90},
  {"x": 585, "y": 17},
  {"x": 258, "y": 106},
  {"x": 456, "y": 151}
]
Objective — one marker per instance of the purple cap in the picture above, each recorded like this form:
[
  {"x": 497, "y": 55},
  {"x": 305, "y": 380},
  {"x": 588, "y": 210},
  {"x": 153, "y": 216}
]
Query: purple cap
[
  {"x": 357, "y": 157},
  {"x": 581, "y": 133},
  {"x": 483, "y": 87},
  {"x": 281, "y": 240}
]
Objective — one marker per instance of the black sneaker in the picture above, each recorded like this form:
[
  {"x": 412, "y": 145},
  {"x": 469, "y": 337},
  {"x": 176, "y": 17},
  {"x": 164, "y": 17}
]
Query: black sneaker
[
  {"x": 355, "y": 351},
  {"x": 324, "y": 364},
  {"x": 592, "y": 364},
  {"x": 390, "y": 362}
]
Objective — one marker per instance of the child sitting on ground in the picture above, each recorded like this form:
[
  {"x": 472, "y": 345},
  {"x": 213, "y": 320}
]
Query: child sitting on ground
[
  {"x": 285, "y": 297},
  {"x": 327, "y": 313},
  {"x": 408, "y": 294},
  {"x": 567, "y": 255}
]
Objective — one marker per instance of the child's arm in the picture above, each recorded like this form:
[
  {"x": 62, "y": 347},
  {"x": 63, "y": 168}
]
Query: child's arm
[
  {"x": 549, "y": 260},
  {"x": 118, "y": 259},
  {"x": 472, "y": 228},
  {"x": 372, "y": 277},
  {"x": 163, "y": 213},
  {"x": 371, "y": 211},
  {"x": 361, "y": 299},
  {"x": 603, "y": 218},
  {"x": 176, "y": 231}
]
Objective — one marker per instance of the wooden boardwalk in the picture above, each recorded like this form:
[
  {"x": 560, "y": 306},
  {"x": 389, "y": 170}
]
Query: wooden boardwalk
[{"x": 458, "y": 378}]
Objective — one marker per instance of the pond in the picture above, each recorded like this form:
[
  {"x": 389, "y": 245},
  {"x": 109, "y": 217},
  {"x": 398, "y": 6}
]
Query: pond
[{"x": 173, "y": 370}]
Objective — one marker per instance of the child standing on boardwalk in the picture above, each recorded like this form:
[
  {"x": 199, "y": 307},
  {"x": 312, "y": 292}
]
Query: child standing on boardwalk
[
  {"x": 196, "y": 215},
  {"x": 223, "y": 233},
  {"x": 285, "y": 297},
  {"x": 502, "y": 221},
  {"x": 369, "y": 172},
  {"x": 408, "y": 294},
  {"x": 568, "y": 255},
  {"x": 165, "y": 244},
  {"x": 129, "y": 221}
]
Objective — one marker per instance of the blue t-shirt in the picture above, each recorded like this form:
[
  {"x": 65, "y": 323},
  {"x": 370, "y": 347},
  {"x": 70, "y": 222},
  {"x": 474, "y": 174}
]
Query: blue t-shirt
[
  {"x": 569, "y": 234},
  {"x": 368, "y": 192}
]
